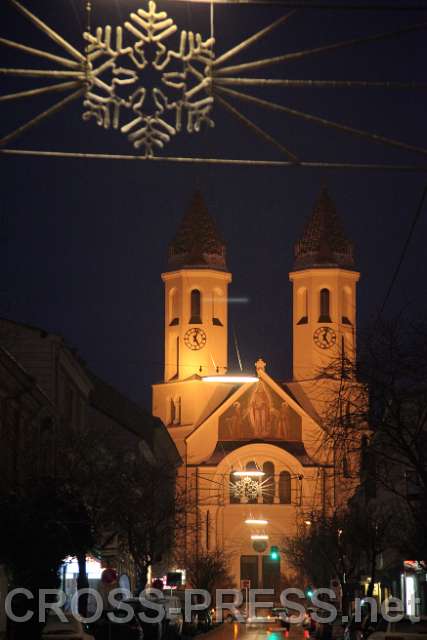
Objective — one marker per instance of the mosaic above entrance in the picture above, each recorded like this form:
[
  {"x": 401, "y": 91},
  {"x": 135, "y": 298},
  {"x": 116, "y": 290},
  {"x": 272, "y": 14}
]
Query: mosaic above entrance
[{"x": 260, "y": 414}]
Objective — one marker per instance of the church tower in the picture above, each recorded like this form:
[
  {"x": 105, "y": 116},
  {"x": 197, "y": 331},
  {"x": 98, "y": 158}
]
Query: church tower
[
  {"x": 196, "y": 296},
  {"x": 324, "y": 293}
]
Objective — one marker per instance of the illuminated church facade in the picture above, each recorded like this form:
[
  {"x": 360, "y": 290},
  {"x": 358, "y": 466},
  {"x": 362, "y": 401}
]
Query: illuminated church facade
[{"x": 256, "y": 463}]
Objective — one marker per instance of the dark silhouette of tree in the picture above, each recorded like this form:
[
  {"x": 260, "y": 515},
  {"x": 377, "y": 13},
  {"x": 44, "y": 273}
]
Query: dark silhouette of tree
[{"x": 210, "y": 570}]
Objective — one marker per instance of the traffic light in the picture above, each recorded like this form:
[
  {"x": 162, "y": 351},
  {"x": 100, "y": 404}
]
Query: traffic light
[
  {"x": 309, "y": 592},
  {"x": 274, "y": 553}
]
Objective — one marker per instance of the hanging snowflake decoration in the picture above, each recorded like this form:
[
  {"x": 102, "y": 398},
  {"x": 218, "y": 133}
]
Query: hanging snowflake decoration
[
  {"x": 134, "y": 79},
  {"x": 246, "y": 488},
  {"x": 117, "y": 95}
]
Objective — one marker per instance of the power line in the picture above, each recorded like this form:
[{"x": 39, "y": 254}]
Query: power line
[
  {"x": 404, "y": 249},
  {"x": 218, "y": 161},
  {"x": 307, "y": 4}
]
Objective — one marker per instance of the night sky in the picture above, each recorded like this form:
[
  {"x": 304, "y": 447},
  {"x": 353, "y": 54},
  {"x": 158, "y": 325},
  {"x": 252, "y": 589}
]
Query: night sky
[{"x": 83, "y": 243}]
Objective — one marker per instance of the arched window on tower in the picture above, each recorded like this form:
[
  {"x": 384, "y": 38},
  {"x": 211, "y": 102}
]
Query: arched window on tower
[
  {"x": 173, "y": 307},
  {"x": 196, "y": 307},
  {"x": 285, "y": 488},
  {"x": 217, "y": 305},
  {"x": 268, "y": 487},
  {"x": 302, "y": 306},
  {"x": 324, "y": 306},
  {"x": 346, "y": 306}
]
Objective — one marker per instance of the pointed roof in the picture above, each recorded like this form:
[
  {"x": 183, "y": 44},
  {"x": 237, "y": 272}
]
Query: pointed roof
[
  {"x": 197, "y": 243},
  {"x": 324, "y": 242}
]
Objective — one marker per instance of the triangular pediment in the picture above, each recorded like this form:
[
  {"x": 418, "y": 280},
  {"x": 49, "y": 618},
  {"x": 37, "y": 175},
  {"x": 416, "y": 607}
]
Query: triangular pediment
[{"x": 260, "y": 413}]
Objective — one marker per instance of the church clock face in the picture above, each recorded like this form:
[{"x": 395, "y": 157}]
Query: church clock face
[
  {"x": 324, "y": 337},
  {"x": 195, "y": 339}
]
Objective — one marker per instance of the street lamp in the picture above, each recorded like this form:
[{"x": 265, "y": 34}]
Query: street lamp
[
  {"x": 255, "y": 473},
  {"x": 230, "y": 379}
]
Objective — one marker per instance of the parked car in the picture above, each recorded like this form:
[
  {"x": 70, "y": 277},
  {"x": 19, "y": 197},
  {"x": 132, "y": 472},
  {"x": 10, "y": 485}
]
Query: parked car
[
  {"x": 261, "y": 615},
  {"x": 115, "y": 629},
  {"x": 201, "y": 619},
  {"x": 174, "y": 616},
  {"x": 150, "y": 630},
  {"x": 71, "y": 629},
  {"x": 172, "y": 622},
  {"x": 309, "y": 623},
  {"x": 405, "y": 629},
  {"x": 356, "y": 629},
  {"x": 281, "y": 614},
  {"x": 204, "y": 620}
]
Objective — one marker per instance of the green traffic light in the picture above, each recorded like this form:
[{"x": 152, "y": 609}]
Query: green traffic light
[{"x": 274, "y": 553}]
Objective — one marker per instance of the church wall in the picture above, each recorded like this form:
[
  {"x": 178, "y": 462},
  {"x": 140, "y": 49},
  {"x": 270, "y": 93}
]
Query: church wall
[
  {"x": 264, "y": 426},
  {"x": 223, "y": 524},
  {"x": 195, "y": 400}
]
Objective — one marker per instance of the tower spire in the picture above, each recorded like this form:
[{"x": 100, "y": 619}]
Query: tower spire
[
  {"x": 324, "y": 293},
  {"x": 324, "y": 242},
  {"x": 197, "y": 242}
]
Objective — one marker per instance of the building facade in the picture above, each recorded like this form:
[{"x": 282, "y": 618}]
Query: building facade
[
  {"x": 48, "y": 396},
  {"x": 28, "y": 424},
  {"x": 256, "y": 461}
]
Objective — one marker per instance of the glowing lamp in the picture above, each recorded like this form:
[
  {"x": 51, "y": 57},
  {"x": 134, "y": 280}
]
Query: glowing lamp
[
  {"x": 230, "y": 379},
  {"x": 255, "y": 473},
  {"x": 256, "y": 521},
  {"x": 259, "y": 536}
]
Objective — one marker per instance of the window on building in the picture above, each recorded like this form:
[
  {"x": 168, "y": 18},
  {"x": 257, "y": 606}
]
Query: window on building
[
  {"x": 252, "y": 466},
  {"x": 268, "y": 487},
  {"x": 46, "y": 453},
  {"x": 68, "y": 402},
  {"x": 173, "y": 308},
  {"x": 324, "y": 306},
  {"x": 346, "y": 306},
  {"x": 175, "y": 410},
  {"x": 234, "y": 498},
  {"x": 171, "y": 411},
  {"x": 216, "y": 306},
  {"x": 196, "y": 307},
  {"x": 302, "y": 306},
  {"x": 285, "y": 488}
]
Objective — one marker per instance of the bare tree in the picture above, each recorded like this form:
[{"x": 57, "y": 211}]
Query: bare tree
[
  {"x": 131, "y": 498},
  {"x": 210, "y": 570},
  {"x": 340, "y": 547},
  {"x": 377, "y": 423}
]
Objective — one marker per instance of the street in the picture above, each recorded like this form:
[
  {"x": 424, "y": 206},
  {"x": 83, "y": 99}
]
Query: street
[{"x": 237, "y": 631}]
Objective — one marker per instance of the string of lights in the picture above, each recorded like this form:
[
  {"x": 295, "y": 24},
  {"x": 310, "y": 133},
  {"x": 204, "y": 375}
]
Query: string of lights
[{"x": 85, "y": 76}]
